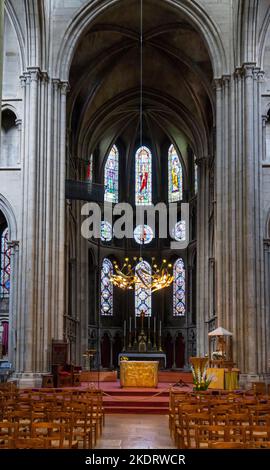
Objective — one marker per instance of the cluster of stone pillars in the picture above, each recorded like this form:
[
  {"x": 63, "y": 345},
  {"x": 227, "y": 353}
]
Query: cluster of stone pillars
[{"x": 38, "y": 294}]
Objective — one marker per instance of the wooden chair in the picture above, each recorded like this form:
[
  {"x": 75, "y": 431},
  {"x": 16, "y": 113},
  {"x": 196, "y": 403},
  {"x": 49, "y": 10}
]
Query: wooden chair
[{"x": 226, "y": 445}]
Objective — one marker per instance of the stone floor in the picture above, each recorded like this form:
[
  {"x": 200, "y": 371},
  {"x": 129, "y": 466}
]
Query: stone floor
[{"x": 123, "y": 431}]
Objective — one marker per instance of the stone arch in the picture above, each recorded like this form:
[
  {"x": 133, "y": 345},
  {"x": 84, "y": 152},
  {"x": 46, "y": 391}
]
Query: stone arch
[
  {"x": 263, "y": 38},
  {"x": 15, "y": 22},
  {"x": 8, "y": 212},
  {"x": 10, "y": 107},
  {"x": 192, "y": 10},
  {"x": 10, "y": 137}
]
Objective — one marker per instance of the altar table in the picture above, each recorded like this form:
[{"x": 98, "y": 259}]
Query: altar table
[
  {"x": 146, "y": 356},
  {"x": 139, "y": 373}
]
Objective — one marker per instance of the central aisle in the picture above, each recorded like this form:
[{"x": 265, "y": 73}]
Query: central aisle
[{"x": 123, "y": 431}]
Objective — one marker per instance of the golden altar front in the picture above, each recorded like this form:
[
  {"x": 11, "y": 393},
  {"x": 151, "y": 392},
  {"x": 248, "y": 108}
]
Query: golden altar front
[{"x": 139, "y": 373}]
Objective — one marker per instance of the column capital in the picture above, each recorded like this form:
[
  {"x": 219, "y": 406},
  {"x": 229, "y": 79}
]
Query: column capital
[
  {"x": 64, "y": 87},
  {"x": 248, "y": 69},
  {"x": 24, "y": 78},
  {"x": 34, "y": 73},
  {"x": 225, "y": 80},
  {"x": 56, "y": 83},
  {"x": 217, "y": 84},
  {"x": 238, "y": 73},
  {"x": 44, "y": 76}
]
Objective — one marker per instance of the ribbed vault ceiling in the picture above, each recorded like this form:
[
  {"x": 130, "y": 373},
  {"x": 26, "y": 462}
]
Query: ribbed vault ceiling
[{"x": 104, "y": 102}]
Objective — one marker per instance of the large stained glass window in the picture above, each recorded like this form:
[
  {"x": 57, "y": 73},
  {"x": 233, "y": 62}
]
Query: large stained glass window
[
  {"x": 179, "y": 288},
  {"x": 143, "y": 176},
  {"x": 106, "y": 293},
  {"x": 111, "y": 176},
  {"x": 143, "y": 300},
  {"x": 175, "y": 176},
  {"x": 4, "y": 264}
]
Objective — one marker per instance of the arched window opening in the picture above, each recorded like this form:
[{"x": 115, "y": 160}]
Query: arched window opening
[
  {"x": 9, "y": 140},
  {"x": 175, "y": 176},
  {"x": 4, "y": 265},
  {"x": 143, "y": 176},
  {"x": 143, "y": 299},
  {"x": 179, "y": 288},
  {"x": 106, "y": 291},
  {"x": 111, "y": 175}
]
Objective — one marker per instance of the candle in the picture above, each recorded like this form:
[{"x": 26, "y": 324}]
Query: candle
[
  {"x": 125, "y": 328},
  {"x": 154, "y": 324}
]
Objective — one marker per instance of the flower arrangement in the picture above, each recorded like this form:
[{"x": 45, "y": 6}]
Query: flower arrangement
[{"x": 201, "y": 380}]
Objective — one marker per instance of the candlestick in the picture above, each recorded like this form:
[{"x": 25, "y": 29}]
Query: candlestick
[
  {"x": 154, "y": 324},
  {"x": 160, "y": 328},
  {"x": 135, "y": 322},
  {"x": 125, "y": 328},
  {"x": 148, "y": 323},
  {"x": 129, "y": 323}
]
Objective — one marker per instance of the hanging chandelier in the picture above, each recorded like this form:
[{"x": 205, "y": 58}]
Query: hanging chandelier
[{"x": 138, "y": 274}]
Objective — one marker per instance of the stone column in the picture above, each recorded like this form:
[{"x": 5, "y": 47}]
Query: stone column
[
  {"x": 267, "y": 300},
  {"x": 14, "y": 252},
  {"x": 238, "y": 250},
  {"x": 18, "y": 124},
  {"x": 264, "y": 122},
  {"x": 202, "y": 255},
  {"x": 40, "y": 311}
]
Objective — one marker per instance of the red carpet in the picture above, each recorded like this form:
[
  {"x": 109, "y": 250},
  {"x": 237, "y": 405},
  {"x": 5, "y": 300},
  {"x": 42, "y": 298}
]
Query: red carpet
[{"x": 136, "y": 400}]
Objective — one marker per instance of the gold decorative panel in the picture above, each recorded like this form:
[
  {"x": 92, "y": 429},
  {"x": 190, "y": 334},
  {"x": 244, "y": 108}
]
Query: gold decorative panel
[{"x": 139, "y": 373}]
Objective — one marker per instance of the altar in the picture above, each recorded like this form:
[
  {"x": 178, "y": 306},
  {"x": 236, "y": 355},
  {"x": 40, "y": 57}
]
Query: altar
[
  {"x": 147, "y": 356},
  {"x": 138, "y": 373}
]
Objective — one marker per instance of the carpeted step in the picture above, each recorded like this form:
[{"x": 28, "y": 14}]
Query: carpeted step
[{"x": 136, "y": 410}]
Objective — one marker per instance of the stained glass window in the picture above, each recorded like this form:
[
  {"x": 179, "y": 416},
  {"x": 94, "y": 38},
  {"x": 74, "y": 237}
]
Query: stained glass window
[
  {"x": 106, "y": 231},
  {"x": 143, "y": 176},
  {"x": 106, "y": 301},
  {"x": 179, "y": 288},
  {"x": 143, "y": 301},
  {"x": 89, "y": 169},
  {"x": 179, "y": 231},
  {"x": 175, "y": 176},
  {"x": 195, "y": 178},
  {"x": 111, "y": 176},
  {"x": 143, "y": 234},
  {"x": 4, "y": 265}
]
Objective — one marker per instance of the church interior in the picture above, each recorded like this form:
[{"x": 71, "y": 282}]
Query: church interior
[{"x": 135, "y": 224}]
